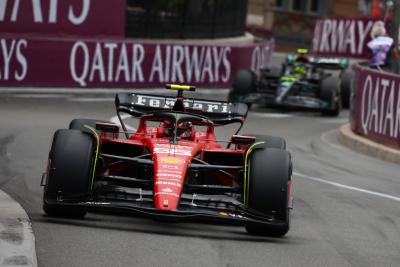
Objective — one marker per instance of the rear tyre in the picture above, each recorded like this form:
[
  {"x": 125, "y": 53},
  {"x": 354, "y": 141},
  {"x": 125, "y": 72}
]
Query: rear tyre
[
  {"x": 268, "y": 185},
  {"x": 243, "y": 85},
  {"x": 330, "y": 94},
  {"x": 345, "y": 88},
  {"x": 71, "y": 160}
]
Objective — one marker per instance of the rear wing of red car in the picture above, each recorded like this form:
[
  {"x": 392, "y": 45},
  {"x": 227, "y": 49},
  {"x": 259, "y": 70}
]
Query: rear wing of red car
[{"x": 219, "y": 112}]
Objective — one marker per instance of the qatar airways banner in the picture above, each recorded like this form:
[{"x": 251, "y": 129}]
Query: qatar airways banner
[
  {"x": 90, "y": 18},
  {"x": 124, "y": 63},
  {"x": 342, "y": 37},
  {"x": 376, "y": 105}
]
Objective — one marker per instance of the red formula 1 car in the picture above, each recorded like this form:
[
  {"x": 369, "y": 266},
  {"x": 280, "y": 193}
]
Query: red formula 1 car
[{"x": 172, "y": 166}]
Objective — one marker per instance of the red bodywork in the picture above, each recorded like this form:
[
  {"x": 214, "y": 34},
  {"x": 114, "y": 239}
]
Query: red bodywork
[{"x": 171, "y": 161}]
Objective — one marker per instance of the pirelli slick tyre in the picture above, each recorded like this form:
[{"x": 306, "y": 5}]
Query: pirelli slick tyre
[
  {"x": 331, "y": 94},
  {"x": 268, "y": 178},
  {"x": 270, "y": 141},
  {"x": 244, "y": 82},
  {"x": 79, "y": 124},
  {"x": 345, "y": 88},
  {"x": 70, "y": 167},
  {"x": 243, "y": 85}
]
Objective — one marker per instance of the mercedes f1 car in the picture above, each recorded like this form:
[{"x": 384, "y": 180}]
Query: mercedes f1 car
[
  {"x": 303, "y": 82},
  {"x": 172, "y": 166}
]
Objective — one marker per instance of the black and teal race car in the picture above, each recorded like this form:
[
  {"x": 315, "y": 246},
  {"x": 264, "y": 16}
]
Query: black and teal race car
[{"x": 303, "y": 81}]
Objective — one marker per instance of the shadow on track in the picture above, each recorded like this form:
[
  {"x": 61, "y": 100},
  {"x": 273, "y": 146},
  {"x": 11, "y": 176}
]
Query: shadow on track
[{"x": 204, "y": 230}]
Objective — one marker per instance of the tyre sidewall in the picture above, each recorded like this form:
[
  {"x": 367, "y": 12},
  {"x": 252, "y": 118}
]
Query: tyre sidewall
[
  {"x": 269, "y": 174},
  {"x": 71, "y": 161}
]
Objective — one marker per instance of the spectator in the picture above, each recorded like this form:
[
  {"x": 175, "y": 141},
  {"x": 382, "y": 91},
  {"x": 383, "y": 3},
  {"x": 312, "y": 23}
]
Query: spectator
[
  {"x": 381, "y": 47},
  {"x": 376, "y": 9}
]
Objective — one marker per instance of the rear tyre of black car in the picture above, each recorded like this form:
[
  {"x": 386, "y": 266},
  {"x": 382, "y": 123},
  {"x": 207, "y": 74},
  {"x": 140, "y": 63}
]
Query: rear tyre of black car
[
  {"x": 243, "y": 85},
  {"x": 345, "y": 88},
  {"x": 269, "y": 173},
  {"x": 330, "y": 93},
  {"x": 71, "y": 160}
]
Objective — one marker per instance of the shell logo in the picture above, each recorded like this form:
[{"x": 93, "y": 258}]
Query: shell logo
[{"x": 170, "y": 160}]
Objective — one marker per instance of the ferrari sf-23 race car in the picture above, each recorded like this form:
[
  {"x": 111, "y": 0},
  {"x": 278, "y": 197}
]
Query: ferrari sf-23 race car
[
  {"x": 172, "y": 167},
  {"x": 303, "y": 81}
]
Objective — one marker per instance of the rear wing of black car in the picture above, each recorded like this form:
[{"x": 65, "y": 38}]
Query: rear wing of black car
[
  {"x": 330, "y": 63},
  {"x": 219, "y": 112}
]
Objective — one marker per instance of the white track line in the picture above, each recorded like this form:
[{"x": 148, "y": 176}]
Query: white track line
[
  {"x": 92, "y": 99},
  {"x": 44, "y": 96},
  {"x": 374, "y": 193},
  {"x": 271, "y": 115}
]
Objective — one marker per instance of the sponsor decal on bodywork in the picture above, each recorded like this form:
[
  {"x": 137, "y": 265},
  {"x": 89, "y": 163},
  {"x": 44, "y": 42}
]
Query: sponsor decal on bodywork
[
  {"x": 167, "y": 103},
  {"x": 170, "y": 183},
  {"x": 170, "y": 160},
  {"x": 169, "y": 175},
  {"x": 166, "y": 194}
]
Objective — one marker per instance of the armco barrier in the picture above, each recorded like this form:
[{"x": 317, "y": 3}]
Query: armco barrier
[
  {"x": 342, "y": 36},
  {"x": 376, "y": 105},
  {"x": 124, "y": 63},
  {"x": 81, "y": 43}
]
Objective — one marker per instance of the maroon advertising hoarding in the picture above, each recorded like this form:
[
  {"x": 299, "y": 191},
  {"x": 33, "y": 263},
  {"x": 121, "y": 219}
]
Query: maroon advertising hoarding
[
  {"x": 342, "y": 37},
  {"x": 376, "y": 105},
  {"x": 90, "y": 18},
  {"x": 81, "y": 43},
  {"x": 123, "y": 63}
]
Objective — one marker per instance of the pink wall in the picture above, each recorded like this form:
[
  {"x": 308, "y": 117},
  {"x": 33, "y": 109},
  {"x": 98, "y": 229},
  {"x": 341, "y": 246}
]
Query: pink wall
[
  {"x": 123, "y": 63},
  {"x": 376, "y": 105},
  {"x": 81, "y": 43}
]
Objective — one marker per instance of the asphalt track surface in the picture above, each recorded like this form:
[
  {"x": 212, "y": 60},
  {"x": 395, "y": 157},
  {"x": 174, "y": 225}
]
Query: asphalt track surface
[{"x": 333, "y": 222}]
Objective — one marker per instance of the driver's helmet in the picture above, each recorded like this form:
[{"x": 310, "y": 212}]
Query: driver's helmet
[
  {"x": 299, "y": 69},
  {"x": 169, "y": 128},
  {"x": 185, "y": 129}
]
